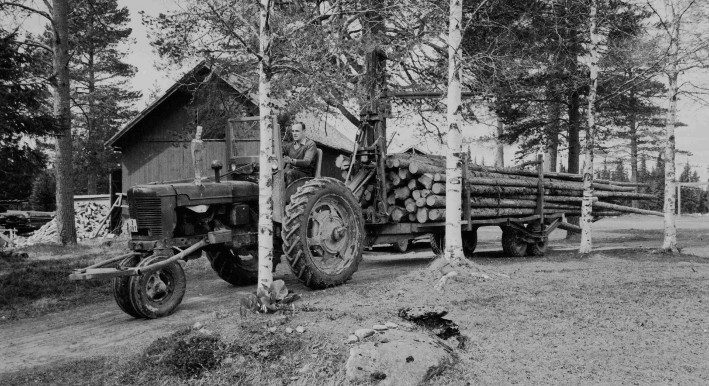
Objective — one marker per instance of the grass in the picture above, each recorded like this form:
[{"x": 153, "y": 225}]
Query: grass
[{"x": 40, "y": 284}]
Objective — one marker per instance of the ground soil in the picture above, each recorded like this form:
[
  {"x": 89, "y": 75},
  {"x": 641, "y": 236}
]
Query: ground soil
[{"x": 623, "y": 314}]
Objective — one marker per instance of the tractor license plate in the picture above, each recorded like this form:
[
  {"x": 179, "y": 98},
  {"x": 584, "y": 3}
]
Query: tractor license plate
[{"x": 132, "y": 225}]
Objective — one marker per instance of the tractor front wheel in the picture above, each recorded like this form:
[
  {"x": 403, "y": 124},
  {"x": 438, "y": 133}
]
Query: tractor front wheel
[
  {"x": 121, "y": 287},
  {"x": 323, "y": 233},
  {"x": 157, "y": 294}
]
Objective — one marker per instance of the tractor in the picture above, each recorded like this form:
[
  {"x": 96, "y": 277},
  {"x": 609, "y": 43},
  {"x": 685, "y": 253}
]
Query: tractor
[{"x": 320, "y": 228}]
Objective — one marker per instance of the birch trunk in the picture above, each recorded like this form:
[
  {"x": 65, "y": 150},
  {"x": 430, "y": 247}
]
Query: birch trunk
[
  {"x": 587, "y": 203},
  {"x": 670, "y": 242},
  {"x": 265, "y": 197},
  {"x": 66, "y": 228},
  {"x": 454, "y": 243}
]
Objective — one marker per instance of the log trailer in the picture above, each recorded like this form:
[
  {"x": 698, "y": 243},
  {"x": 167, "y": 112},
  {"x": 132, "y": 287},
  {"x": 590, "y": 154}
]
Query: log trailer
[{"x": 319, "y": 224}]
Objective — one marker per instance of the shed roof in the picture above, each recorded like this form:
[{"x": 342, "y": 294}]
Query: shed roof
[{"x": 318, "y": 130}]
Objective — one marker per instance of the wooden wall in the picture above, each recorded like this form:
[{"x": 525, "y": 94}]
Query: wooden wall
[
  {"x": 157, "y": 149},
  {"x": 156, "y": 161}
]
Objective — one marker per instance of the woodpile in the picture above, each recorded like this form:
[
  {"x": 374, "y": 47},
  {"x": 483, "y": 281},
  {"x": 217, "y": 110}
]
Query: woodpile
[
  {"x": 89, "y": 217},
  {"x": 416, "y": 188}
]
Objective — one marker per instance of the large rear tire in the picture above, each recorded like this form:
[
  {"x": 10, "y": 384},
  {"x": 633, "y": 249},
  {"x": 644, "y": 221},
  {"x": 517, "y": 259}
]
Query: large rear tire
[
  {"x": 237, "y": 267},
  {"x": 121, "y": 287},
  {"x": 157, "y": 294},
  {"x": 323, "y": 233}
]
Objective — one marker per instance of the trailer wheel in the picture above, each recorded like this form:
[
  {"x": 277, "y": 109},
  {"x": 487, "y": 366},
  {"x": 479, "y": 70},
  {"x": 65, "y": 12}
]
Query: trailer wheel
[
  {"x": 323, "y": 233},
  {"x": 512, "y": 244},
  {"x": 237, "y": 267},
  {"x": 158, "y": 293},
  {"x": 121, "y": 287},
  {"x": 539, "y": 248},
  {"x": 469, "y": 238}
]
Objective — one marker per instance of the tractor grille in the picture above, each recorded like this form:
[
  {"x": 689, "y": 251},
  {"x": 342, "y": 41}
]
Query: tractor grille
[{"x": 147, "y": 213}]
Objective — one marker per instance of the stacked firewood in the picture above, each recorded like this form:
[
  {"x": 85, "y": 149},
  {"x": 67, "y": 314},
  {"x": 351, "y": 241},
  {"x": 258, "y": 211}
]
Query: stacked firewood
[
  {"x": 416, "y": 188},
  {"x": 88, "y": 218}
]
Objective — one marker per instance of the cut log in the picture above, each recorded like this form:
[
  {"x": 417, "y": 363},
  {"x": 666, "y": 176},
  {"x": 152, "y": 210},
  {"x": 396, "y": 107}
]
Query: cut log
[
  {"x": 396, "y": 213},
  {"x": 547, "y": 184},
  {"x": 402, "y": 193},
  {"x": 410, "y": 205},
  {"x": 412, "y": 217},
  {"x": 436, "y": 214},
  {"x": 422, "y": 215},
  {"x": 439, "y": 177},
  {"x": 627, "y": 209},
  {"x": 415, "y": 194},
  {"x": 391, "y": 199},
  {"x": 421, "y": 202},
  {"x": 426, "y": 180},
  {"x": 438, "y": 188},
  {"x": 413, "y": 184},
  {"x": 436, "y": 201},
  {"x": 404, "y": 174},
  {"x": 395, "y": 179}
]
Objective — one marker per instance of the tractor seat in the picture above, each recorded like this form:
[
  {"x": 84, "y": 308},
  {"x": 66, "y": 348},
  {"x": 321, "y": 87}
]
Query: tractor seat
[{"x": 318, "y": 162}]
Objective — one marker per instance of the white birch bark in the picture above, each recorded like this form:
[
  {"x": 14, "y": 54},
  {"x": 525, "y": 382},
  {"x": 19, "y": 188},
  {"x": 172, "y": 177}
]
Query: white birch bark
[
  {"x": 454, "y": 243},
  {"x": 587, "y": 203},
  {"x": 265, "y": 196},
  {"x": 670, "y": 241}
]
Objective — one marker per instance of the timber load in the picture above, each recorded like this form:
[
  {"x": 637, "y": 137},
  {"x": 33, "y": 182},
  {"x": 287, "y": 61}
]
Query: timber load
[{"x": 416, "y": 192}]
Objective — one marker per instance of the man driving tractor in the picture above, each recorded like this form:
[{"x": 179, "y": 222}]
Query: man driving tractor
[{"x": 299, "y": 155}]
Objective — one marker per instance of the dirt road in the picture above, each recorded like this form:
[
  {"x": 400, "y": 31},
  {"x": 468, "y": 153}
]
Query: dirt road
[{"x": 102, "y": 329}]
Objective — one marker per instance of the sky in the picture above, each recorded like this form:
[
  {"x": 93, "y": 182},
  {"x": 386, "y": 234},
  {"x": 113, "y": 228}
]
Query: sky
[{"x": 693, "y": 138}]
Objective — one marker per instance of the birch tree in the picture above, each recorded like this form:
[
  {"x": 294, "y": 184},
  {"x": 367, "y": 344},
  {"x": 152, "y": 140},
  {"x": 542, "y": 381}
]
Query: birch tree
[
  {"x": 587, "y": 203},
  {"x": 265, "y": 184},
  {"x": 454, "y": 243},
  {"x": 672, "y": 27},
  {"x": 683, "y": 25}
]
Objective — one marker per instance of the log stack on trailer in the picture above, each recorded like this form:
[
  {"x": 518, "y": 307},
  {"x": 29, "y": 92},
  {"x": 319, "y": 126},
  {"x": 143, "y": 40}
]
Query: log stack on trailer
[{"x": 416, "y": 188}]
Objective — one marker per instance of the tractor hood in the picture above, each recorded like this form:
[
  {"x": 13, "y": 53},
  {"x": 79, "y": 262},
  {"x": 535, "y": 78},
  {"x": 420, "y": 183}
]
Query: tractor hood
[{"x": 188, "y": 194}]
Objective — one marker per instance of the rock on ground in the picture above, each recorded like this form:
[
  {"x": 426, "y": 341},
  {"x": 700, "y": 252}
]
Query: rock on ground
[{"x": 406, "y": 359}]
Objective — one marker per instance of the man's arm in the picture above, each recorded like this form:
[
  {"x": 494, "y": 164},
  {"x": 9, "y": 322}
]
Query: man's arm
[{"x": 308, "y": 157}]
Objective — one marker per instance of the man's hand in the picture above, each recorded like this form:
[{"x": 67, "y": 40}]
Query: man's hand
[{"x": 287, "y": 160}]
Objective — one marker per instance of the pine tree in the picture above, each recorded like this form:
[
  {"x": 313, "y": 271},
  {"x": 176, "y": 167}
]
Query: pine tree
[{"x": 101, "y": 94}]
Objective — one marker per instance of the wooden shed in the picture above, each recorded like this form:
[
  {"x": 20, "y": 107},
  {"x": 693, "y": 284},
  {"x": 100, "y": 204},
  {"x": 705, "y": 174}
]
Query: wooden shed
[{"x": 155, "y": 145}]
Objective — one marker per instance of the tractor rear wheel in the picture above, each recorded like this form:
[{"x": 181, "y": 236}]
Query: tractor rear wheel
[
  {"x": 512, "y": 243},
  {"x": 121, "y": 287},
  {"x": 157, "y": 294},
  {"x": 323, "y": 233},
  {"x": 469, "y": 238},
  {"x": 237, "y": 267}
]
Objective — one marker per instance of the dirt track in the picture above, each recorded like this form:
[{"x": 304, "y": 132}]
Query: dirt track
[{"x": 102, "y": 329}]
